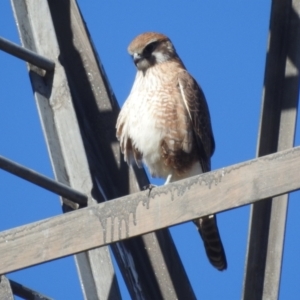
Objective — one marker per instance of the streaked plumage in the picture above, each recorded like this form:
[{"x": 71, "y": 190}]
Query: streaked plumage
[{"x": 165, "y": 124}]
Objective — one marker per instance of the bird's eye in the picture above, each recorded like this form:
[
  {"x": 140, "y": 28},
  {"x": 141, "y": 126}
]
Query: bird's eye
[{"x": 150, "y": 48}]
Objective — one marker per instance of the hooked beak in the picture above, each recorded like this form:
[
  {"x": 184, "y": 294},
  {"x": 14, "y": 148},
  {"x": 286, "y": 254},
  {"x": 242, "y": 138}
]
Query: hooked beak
[{"x": 136, "y": 57}]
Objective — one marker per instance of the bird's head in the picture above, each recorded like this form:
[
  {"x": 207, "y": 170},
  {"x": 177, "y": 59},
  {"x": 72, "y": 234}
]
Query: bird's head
[{"x": 150, "y": 48}]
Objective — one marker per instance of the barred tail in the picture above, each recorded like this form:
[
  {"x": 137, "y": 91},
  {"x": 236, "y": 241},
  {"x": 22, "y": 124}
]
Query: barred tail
[{"x": 209, "y": 232}]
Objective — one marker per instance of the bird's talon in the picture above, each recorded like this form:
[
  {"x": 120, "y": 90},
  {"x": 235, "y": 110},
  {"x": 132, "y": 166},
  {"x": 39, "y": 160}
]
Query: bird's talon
[{"x": 149, "y": 187}]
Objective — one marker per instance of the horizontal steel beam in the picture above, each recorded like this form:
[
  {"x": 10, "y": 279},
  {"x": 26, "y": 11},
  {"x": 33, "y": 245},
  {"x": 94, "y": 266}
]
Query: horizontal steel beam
[
  {"x": 147, "y": 211},
  {"x": 42, "y": 181},
  {"x": 27, "y": 55}
]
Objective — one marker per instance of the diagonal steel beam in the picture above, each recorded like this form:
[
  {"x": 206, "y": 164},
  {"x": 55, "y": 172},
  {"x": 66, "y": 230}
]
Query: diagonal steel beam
[
  {"x": 26, "y": 54},
  {"x": 150, "y": 264},
  {"x": 25, "y": 292},
  {"x": 53, "y": 98},
  {"x": 42, "y": 181}
]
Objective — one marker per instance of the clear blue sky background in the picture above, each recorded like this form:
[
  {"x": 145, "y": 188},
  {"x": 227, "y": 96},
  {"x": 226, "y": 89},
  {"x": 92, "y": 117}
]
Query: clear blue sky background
[{"x": 223, "y": 45}]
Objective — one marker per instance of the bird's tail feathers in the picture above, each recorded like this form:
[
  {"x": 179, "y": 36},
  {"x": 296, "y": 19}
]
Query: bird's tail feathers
[{"x": 209, "y": 232}]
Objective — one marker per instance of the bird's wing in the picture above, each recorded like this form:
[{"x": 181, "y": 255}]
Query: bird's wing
[
  {"x": 196, "y": 106},
  {"x": 130, "y": 152},
  {"x": 195, "y": 103}
]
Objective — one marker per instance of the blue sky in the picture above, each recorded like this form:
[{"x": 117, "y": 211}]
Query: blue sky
[{"x": 223, "y": 45}]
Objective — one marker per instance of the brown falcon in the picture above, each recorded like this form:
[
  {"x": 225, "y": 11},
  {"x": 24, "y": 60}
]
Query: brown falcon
[{"x": 165, "y": 124}]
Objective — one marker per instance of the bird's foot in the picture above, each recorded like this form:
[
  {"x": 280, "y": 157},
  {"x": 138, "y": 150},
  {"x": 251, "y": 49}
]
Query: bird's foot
[{"x": 149, "y": 186}]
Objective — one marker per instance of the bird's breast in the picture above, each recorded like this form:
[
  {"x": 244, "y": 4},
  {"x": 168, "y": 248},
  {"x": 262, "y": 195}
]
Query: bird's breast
[
  {"x": 146, "y": 135},
  {"x": 147, "y": 101},
  {"x": 157, "y": 124}
]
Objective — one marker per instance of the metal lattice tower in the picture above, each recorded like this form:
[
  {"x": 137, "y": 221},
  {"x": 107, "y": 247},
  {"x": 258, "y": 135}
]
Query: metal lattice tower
[{"x": 85, "y": 159}]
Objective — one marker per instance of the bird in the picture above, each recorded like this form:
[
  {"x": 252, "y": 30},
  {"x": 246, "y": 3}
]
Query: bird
[{"x": 165, "y": 124}]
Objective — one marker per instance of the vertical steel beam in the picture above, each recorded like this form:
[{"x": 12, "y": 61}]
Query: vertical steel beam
[
  {"x": 277, "y": 130},
  {"x": 62, "y": 134}
]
